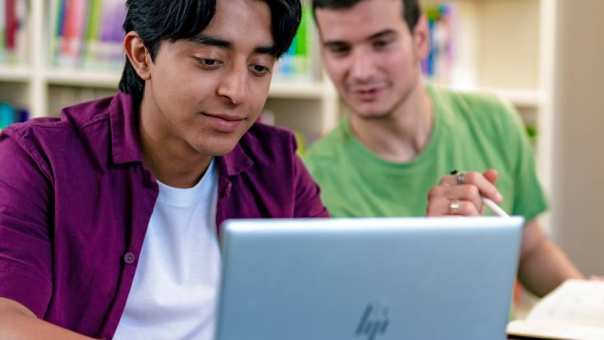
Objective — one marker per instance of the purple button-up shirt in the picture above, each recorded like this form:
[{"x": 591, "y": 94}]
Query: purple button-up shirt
[{"x": 75, "y": 202}]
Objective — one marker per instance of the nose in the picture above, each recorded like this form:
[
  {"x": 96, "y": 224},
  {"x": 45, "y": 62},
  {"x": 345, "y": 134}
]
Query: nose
[
  {"x": 362, "y": 65},
  {"x": 233, "y": 84}
]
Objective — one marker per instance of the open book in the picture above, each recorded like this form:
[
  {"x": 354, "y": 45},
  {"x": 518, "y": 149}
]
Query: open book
[{"x": 575, "y": 310}]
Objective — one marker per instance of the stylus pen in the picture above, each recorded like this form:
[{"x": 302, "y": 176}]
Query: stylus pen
[{"x": 494, "y": 207}]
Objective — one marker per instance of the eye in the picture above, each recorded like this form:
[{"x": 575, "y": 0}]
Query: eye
[
  {"x": 259, "y": 70},
  {"x": 208, "y": 63},
  {"x": 381, "y": 43},
  {"x": 339, "y": 50}
]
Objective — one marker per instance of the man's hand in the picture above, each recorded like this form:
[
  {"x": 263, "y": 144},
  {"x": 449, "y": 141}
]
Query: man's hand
[{"x": 461, "y": 194}]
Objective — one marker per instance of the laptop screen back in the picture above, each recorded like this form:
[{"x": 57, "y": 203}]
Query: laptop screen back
[{"x": 376, "y": 279}]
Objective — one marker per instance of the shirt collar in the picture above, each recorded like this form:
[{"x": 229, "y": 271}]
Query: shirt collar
[{"x": 125, "y": 137}]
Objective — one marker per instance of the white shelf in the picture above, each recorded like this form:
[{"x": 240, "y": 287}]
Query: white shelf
[
  {"x": 15, "y": 73},
  {"x": 521, "y": 97},
  {"x": 90, "y": 78},
  {"x": 532, "y": 98},
  {"x": 296, "y": 89},
  {"x": 83, "y": 77}
]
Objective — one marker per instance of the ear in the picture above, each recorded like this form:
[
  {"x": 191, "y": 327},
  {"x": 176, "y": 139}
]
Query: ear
[
  {"x": 138, "y": 55},
  {"x": 421, "y": 38}
]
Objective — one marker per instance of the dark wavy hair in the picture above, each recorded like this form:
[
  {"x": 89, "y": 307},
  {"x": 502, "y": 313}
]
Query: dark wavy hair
[
  {"x": 411, "y": 9},
  {"x": 160, "y": 20}
]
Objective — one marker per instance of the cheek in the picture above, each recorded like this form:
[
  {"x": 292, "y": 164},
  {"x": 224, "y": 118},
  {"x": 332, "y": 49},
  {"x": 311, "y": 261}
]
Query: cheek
[
  {"x": 256, "y": 104},
  {"x": 402, "y": 62},
  {"x": 334, "y": 68},
  {"x": 174, "y": 85},
  {"x": 257, "y": 90}
]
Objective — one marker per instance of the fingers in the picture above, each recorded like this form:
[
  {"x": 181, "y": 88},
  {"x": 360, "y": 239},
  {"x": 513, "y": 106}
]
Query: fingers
[
  {"x": 462, "y": 193},
  {"x": 485, "y": 183},
  {"x": 454, "y": 200}
]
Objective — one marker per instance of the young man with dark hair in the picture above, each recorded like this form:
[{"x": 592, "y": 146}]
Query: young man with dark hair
[
  {"x": 166, "y": 160},
  {"x": 402, "y": 136}
]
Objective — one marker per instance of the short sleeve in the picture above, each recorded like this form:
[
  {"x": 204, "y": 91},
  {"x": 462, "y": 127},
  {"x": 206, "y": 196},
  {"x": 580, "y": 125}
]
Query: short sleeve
[
  {"x": 25, "y": 219},
  {"x": 529, "y": 199}
]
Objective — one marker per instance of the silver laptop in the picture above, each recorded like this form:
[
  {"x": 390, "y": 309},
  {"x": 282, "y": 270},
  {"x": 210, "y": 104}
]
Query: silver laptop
[{"x": 372, "y": 279}]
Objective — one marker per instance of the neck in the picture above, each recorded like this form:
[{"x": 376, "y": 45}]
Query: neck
[
  {"x": 400, "y": 135},
  {"x": 169, "y": 158}
]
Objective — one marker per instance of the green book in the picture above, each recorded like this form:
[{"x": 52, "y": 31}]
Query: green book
[
  {"x": 302, "y": 44},
  {"x": 95, "y": 9},
  {"x": 302, "y": 35}
]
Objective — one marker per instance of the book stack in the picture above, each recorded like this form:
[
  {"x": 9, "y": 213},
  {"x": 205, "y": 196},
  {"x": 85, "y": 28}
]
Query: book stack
[
  {"x": 439, "y": 64},
  {"x": 13, "y": 31},
  {"x": 10, "y": 114},
  {"x": 295, "y": 64},
  {"x": 87, "y": 33}
]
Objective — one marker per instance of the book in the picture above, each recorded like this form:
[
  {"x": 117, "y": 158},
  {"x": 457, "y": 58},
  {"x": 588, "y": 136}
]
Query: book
[
  {"x": 21, "y": 33},
  {"x": 2, "y": 31},
  {"x": 11, "y": 24},
  {"x": 13, "y": 31},
  {"x": 109, "y": 43},
  {"x": 92, "y": 31},
  {"x": 7, "y": 115},
  {"x": 438, "y": 65},
  {"x": 87, "y": 33},
  {"x": 575, "y": 310},
  {"x": 72, "y": 31},
  {"x": 295, "y": 63}
]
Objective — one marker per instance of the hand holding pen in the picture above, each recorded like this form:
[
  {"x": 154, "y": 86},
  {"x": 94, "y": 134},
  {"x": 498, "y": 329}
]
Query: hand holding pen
[{"x": 465, "y": 194}]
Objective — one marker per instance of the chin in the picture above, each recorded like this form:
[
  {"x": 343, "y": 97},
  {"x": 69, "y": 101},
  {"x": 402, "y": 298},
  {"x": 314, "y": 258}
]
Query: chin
[
  {"x": 216, "y": 148},
  {"x": 221, "y": 150},
  {"x": 372, "y": 113}
]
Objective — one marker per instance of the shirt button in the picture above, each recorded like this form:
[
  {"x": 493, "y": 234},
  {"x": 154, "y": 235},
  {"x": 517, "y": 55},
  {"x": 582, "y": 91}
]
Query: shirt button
[{"x": 129, "y": 258}]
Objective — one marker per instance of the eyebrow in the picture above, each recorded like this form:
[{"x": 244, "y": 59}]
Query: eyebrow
[
  {"x": 340, "y": 43},
  {"x": 382, "y": 34},
  {"x": 207, "y": 40}
]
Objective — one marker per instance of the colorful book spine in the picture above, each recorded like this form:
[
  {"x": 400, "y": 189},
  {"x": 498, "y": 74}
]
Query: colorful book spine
[
  {"x": 11, "y": 24},
  {"x": 92, "y": 31},
  {"x": 2, "y": 31},
  {"x": 20, "y": 52},
  {"x": 438, "y": 65},
  {"x": 10, "y": 114},
  {"x": 13, "y": 30},
  {"x": 296, "y": 62},
  {"x": 72, "y": 28},
  {"x": 111, "y": 32},
  {"x": 87, "y": 33}
]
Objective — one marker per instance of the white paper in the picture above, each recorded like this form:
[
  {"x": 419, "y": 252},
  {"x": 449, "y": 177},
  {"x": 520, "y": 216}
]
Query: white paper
[{"x": 575, "y": 310}]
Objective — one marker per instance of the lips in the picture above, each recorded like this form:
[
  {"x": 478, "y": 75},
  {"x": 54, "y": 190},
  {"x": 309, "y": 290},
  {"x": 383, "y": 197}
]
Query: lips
[
  {"x": 367, "y": 94},
  {"x": 225, "y": 123}
]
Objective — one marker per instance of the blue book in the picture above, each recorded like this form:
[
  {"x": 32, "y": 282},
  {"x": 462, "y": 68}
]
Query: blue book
[{"x": 7, "y": 115}]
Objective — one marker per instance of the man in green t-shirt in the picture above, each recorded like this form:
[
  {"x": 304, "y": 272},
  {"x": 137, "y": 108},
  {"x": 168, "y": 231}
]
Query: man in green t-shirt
[{"x": 402, "y": 136}]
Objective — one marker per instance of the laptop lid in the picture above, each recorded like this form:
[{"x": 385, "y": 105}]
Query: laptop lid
[{"x": 375, "y": 278}]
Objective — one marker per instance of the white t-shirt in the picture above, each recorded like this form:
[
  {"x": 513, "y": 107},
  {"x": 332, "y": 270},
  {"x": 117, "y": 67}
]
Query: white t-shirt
[{"x": 175, "y": 287}]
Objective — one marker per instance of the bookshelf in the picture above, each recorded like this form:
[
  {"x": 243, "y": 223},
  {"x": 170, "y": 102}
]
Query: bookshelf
[
  {"x": 498, "y": 48},
  {"x": 498, "y": 57},
  {"x": 506, "y": 47}
]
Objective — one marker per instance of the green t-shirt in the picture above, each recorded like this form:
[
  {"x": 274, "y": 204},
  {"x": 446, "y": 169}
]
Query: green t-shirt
[{"x": 472, "y": 132}]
